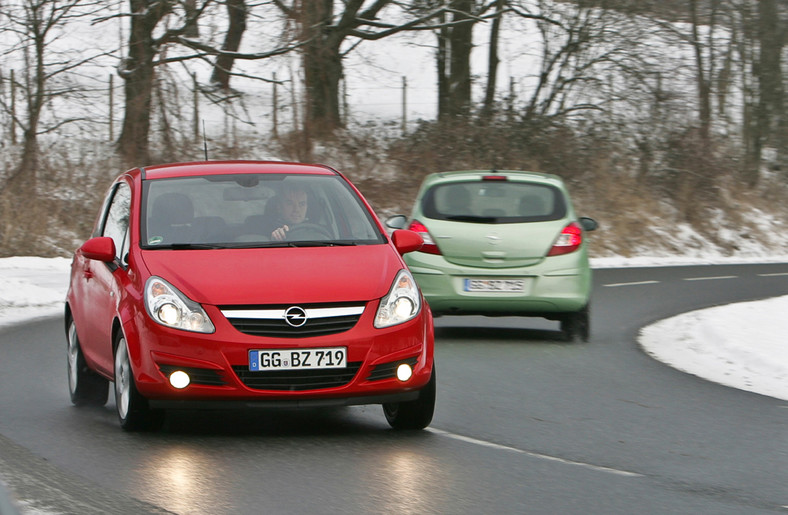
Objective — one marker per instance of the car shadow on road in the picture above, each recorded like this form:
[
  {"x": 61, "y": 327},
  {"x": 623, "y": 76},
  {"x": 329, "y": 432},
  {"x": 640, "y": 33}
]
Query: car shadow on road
[
  {"x": 500, "y": 329},
  {"x": 304, "y": 422},
  {"x": 499, "y": 334}
]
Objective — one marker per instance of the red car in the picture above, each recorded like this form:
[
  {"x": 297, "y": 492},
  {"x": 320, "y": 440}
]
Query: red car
[{"x": 240, "y": 284}]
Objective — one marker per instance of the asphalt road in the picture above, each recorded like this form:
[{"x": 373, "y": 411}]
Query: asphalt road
[{"x": 524, "y": 423}]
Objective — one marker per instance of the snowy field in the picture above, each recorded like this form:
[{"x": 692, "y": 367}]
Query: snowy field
[{"x": 740, "y": 345}]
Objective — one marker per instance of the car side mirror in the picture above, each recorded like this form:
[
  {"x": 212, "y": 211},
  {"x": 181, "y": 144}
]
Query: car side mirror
[
  {"x": 588, "y": 224},
  {"x": 396, "y": 222},
  {"x": 101, "y": 248},
  {"x": 406, "y": 241}
]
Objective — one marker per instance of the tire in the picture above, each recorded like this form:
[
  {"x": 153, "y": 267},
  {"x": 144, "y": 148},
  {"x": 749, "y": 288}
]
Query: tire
[
  {"x": 85, "y": 387},
  {"x": 416, "y": 414},
  {"x": 576, "y": 327},
  {"x": 134, "y": 414}
]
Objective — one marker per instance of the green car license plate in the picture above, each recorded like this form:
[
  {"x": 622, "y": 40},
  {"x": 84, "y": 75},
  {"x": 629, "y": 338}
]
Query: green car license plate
[{"x": 505, "y": 285}]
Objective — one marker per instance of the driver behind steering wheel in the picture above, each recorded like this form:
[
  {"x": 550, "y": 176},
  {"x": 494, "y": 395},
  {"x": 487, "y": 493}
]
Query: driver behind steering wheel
[{"x": 291, "y": 206}]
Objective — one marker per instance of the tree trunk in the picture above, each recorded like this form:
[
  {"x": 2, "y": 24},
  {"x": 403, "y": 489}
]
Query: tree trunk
[
  {"x": 24, "y": 178},
  {"x": 771, "y": 117},
  {"x": 460, "y": 44},
  {"x": 137, "y": 72},
  {"x": 236, "y": 13},
  {"x": 322, "y": 67},
  {"x": 443, "y": 76},
  {"x": 703, "y": 77},
  {"x": 493, "y": 60}
]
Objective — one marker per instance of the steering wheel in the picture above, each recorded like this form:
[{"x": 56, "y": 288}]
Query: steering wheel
[{"x": 309, "y": 231}]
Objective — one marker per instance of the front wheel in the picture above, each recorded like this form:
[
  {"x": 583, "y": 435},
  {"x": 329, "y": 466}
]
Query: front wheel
[
  {"x": 134, "y": 413},
  {"x": 415, "y": 414},
  {"x": 85, "y": 387}
]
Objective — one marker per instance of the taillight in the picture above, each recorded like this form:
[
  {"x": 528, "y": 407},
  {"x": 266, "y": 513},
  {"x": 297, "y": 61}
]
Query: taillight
[
  {"x": 568, "y": 241},
  {"x": 429, "y": 245}
]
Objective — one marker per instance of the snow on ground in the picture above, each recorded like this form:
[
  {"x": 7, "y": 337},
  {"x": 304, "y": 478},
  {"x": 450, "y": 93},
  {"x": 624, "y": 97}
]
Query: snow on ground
[{"x": 740, "y": 345}]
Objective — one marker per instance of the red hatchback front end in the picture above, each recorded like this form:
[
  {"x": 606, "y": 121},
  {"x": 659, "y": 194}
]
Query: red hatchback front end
[{"x": 242, "y": 284}]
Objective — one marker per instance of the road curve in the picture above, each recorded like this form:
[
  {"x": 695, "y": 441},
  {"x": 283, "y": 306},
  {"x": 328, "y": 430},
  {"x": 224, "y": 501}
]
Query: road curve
[{"x": 524, "y": 423}]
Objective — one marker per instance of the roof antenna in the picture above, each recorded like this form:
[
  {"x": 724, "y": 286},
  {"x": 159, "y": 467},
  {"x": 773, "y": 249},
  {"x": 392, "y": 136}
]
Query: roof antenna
[{"x": 204, "y": 140}]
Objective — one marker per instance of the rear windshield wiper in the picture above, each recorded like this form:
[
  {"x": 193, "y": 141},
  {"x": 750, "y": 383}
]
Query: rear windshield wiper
[{"x": 471, "y": 218}]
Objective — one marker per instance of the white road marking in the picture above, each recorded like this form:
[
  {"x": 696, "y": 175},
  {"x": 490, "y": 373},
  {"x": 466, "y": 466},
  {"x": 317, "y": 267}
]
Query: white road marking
[
  {"x": 710, "y": 278},
  {"x": 778, "y": 274},
  {"x": 616, "y": 285},
  {"x": 492, "y": 445}
]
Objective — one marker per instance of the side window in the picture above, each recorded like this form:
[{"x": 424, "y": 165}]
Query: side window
[{"x": 116, "y": 225}]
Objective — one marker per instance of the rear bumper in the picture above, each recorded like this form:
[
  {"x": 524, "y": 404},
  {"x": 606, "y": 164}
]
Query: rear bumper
[{"x": 557, "y": 285}]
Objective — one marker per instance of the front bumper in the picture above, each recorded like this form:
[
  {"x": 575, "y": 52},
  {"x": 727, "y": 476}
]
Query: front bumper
[{"x": 218, "y": 364}]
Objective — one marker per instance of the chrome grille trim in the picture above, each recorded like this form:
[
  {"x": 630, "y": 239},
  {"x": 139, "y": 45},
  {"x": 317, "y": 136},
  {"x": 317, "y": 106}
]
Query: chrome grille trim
[
  {"x": 272, "y": 321},
  {"x": 279, "y": 313}
]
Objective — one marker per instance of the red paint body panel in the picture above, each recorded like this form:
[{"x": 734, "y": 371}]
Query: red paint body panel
[
  {"x": 104, "y": 298},
  {"x": 278, "y": 275}
]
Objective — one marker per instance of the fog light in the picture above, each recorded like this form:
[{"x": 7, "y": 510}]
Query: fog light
[
  {"x": 179, "y": 379},
  {"x": 404, "y": 372}
]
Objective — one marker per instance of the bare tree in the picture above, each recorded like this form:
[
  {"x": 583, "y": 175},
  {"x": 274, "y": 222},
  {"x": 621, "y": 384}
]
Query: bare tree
[
  {"x": 149, "y": 36},
  {"x": 579, "y": 48},
  {"x": 36, "y": 23},
  {"x": 327, "y": 34},
  {"x": 236, "y": 14},
  {"x": 137, "y": 74}
]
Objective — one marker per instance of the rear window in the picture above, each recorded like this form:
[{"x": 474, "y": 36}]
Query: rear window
[{"x": 494, "y": 202}]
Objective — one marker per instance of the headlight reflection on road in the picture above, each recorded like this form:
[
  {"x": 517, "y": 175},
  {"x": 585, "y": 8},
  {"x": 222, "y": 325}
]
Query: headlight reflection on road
[
  {"x": 411, "y": 478},
  {"x": 184, "y": 480}
]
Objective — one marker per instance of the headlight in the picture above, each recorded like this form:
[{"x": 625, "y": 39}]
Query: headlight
[
  {"x": 168, "y": 306},
  {"x": 402, "y": 303}
]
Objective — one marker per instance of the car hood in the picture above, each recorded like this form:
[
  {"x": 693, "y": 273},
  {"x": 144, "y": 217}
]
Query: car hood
[
  {"x": 495, "y": 245},
  {"x": 278, "y": 275}
]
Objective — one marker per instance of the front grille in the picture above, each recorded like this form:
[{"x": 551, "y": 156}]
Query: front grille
[
  {"x": 270, "y": 321},
  {"x": 389, "y": 370},
  {"x": 205, "y": 376},
  {"x": 297, "y": 380}
]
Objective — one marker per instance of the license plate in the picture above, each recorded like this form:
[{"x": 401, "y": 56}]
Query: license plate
[
  {"x": 509, "y": 285},
  {"x": 295, "y": 359}
]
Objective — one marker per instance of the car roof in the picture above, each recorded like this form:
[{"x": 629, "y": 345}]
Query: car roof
[
  {"x": 166, "y": 171},
  {"x": 465, "y": 175}
]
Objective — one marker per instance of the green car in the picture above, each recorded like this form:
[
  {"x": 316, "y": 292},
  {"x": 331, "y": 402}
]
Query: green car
[{"x": 501, "y": 243}]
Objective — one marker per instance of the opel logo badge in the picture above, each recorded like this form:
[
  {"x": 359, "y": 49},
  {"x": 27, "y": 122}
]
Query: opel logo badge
[
  {"x": 295, "y": 316},
  {"x": 493, "y": 239}
]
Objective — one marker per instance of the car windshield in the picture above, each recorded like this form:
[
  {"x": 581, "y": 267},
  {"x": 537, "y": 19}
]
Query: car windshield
[
  {"x": 494, "y": 202},
  {"x": 254, "y": 210}
]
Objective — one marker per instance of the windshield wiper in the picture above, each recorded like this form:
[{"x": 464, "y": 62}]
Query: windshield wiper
[
  {"x": 191, "y": 246},
  {"x": 320, "y": 243},
  {"x": 253, "y": 245}
]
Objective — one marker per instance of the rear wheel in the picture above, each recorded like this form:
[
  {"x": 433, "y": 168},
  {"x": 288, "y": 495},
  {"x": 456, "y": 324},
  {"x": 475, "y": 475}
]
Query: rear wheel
[
  {"x": 134, "y": 413},
  {"x": 576, "y": 326},
  {"x": 85, "y": 386},
  {"x": 416, "y": 414}
]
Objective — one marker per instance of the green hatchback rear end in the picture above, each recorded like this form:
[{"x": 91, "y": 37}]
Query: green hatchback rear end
[{"x": 502, "y": 243}]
